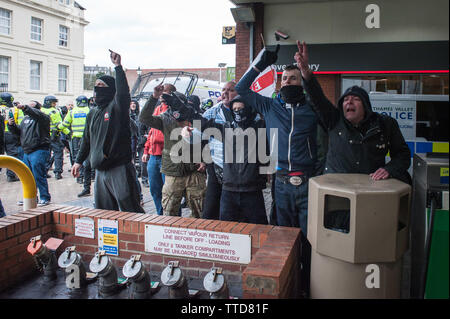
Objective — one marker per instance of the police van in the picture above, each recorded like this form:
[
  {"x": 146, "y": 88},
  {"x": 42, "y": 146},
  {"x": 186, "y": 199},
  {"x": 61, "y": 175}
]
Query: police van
[{"x": 185, "y": 82}]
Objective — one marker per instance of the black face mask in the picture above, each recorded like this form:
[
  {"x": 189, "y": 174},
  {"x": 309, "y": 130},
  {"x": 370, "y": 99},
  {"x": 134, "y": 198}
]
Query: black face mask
[
  {"x": 244, "y": 117},
  {"x": 292, "y": 94},
  {"x": 103, "y": 95}
]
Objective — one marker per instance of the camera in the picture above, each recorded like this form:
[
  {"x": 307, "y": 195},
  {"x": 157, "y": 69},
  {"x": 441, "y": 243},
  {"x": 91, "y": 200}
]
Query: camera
[{"x": 279, "y": 34}]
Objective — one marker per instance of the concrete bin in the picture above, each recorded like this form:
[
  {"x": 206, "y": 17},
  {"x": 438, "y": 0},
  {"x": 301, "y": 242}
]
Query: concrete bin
[{"x": 354, "y": 222}]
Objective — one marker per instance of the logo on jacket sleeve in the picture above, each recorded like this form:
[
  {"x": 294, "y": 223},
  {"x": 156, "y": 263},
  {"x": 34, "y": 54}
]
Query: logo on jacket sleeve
[{"x": 106, "y": 116}]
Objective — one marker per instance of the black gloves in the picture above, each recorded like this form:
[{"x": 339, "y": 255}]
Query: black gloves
[{"x": 268, "y": 58}]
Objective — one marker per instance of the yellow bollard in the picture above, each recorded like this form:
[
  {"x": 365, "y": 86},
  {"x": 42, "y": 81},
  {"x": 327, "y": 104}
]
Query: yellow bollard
[{"x": 25, "y": 176}]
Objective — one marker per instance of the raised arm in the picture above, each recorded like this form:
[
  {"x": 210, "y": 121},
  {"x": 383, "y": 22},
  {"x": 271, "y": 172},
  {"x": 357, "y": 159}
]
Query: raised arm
[
  {"x": 146, "y": 116},
  {"x": 122, "y": 97},
  {"x": 328, "y": 114},
  {"x": 260, "y": 103}
]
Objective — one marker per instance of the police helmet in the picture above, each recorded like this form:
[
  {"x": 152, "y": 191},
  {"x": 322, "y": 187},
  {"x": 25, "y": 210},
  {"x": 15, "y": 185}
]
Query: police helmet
[
  {"x": 6, "y": 99},
  {"x": 48, "y": 100},
  {"x": 82, "y": 101}
]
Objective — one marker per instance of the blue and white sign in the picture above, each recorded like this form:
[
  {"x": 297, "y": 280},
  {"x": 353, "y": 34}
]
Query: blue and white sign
[
  {"x": 108, "y": 236},
  {"x": 403, "y": 111}
]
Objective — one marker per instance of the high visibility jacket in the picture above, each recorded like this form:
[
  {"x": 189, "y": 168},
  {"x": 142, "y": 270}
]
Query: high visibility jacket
[
  {"x": 75, "y": 120},
  {"x": 55, "y": 120},
  {"x": 17, "y": 114}
]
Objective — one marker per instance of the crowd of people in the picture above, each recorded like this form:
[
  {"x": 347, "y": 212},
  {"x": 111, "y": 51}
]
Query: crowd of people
[{"x": 111, "y": 137}]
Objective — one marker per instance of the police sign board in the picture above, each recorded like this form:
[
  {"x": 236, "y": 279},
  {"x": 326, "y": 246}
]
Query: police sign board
[
  {"x": 108, "y": 236},
  {"x": 198, "y": 244}
]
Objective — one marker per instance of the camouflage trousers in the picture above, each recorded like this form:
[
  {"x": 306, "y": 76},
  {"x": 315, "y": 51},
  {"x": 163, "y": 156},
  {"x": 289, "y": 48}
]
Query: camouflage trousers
[{"x": 192, "y": 186}]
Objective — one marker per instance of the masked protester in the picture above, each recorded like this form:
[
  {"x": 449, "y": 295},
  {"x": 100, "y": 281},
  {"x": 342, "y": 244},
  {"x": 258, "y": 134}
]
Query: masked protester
[
  {"x": 181, "y": 177},
  {"x": 153, "y": 149},
  {"x": 106, "y": 140},
  {"x": 241, "y": 199}
]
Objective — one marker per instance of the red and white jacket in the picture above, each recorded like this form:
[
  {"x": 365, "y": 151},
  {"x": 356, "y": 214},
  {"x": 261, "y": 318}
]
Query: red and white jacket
[{"x": 155, "y": 139}]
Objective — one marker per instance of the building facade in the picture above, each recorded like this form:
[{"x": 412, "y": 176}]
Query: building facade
[
  {"x": 42, "y": 49},
  {"x": 396, "y": 49}
]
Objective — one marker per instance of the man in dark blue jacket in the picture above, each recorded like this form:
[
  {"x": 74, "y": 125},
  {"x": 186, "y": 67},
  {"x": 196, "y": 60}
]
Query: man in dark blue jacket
[{"x": 292, "y": 115}]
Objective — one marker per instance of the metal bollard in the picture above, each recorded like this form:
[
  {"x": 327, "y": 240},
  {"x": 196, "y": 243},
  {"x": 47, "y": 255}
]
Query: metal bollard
[
  {"x": 139, "y": 277},
  {"x": 173, "y": 277},
  {"x": 44, "y": 258},
  {"x": 214, "y": 282},
  {"x": 71, "y": 261},
  {"x": 102, "y": 265}
]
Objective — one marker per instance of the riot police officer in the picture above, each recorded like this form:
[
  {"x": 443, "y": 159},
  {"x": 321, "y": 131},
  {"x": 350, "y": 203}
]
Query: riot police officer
[
  {"x": 57, "y": 147},
  {"x": 75, "y": 120},
  {"x": 12, "y": 142}
]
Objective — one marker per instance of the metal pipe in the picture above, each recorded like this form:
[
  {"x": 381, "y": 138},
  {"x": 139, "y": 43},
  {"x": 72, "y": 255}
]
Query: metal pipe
[
  {"x": 45, "y": 259},
  {"x": 139, "y": 277},
  {"x": 102, "y": 265},
  {"x": 25, "y": 176},
  {"x": 251, "y": 42}
]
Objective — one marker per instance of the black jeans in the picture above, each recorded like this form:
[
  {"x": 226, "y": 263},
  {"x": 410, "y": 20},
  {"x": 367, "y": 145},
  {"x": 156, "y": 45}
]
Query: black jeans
[
  {"x": 211, "y": 203},
  {"x": 247, "y": 207}
]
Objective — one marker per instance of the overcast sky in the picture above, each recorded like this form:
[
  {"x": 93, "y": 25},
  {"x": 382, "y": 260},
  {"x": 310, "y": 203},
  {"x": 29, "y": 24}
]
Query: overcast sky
[{"x": 158, "y": 34}]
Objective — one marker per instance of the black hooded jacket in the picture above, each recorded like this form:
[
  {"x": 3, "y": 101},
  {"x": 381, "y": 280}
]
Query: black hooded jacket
[
  {"x": 107, "y": 134},
  {"x": 34, "y": 130},
  {"x": 360, "y": 149}
]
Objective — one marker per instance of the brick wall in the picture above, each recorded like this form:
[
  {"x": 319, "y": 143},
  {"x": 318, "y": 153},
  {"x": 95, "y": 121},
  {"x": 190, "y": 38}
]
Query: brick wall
[{"x": 272, "y": 273}]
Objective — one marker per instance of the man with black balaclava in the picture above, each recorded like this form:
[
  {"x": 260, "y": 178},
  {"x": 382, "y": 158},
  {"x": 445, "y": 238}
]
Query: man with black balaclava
[
  {"x": 180, "y": 177},
  {"x": 107, "y": 141},
  {"x": 292, "y": 115},
  {"x": 242, "y": 198}
]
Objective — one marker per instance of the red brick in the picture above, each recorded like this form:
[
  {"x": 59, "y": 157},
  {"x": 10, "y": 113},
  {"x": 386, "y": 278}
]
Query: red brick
[
  {"x": 194, "y": 263},
  {"x": 27, "y": 236},
  {"x": 152, "y": 258},
  {"x": 64, "y": 229},
  {"x": 238, "y": 228},
  {"x": 2, "y": 233},
  {"x": 8, "y": 243},
  {"x": 171, "y": 220},
  {"x": 129, "y": 237},
  {"x": 136, "y": 247},
  {"x": 206, "y": 223}
]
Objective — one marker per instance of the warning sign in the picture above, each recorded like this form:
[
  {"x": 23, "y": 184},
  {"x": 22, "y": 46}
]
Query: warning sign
[
  {"x": 198, "y": 244},
  {"x": 84, "y": 227},
  {"x": 108, "y": 236}
]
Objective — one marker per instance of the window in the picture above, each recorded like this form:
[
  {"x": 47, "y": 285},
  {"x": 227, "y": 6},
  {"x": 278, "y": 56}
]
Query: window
[
  {"x": 35, "y": 75},
  {"x": 400, "y": 84},
  {"x": 4, "y": 73},
  {"x": 62, "y": 77},
  {"x": 36, "y": 29},
  {"x": 63, "y": 36},
  {"x": 66, "y": 2},
  {"x": 5, "y": 21}
]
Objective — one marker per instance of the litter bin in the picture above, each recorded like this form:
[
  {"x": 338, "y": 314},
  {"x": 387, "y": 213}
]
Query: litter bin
[{"x": 358, "y": 229}]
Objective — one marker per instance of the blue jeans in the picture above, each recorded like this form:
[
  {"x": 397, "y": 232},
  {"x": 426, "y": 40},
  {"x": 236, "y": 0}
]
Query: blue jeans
[
  {"x": 246, "y": 207},
  {"x": 37, "y": 162},
  {"x": 156, "y": 181},
  {"x": 292, "y": 205}
]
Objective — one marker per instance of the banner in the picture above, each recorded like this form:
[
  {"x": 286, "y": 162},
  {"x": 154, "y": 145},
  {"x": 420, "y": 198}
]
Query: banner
[{"x": 266, "y": 82}]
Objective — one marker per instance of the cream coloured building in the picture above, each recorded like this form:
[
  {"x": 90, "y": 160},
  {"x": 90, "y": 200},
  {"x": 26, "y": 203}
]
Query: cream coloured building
[{"x": 42, "y": 49}]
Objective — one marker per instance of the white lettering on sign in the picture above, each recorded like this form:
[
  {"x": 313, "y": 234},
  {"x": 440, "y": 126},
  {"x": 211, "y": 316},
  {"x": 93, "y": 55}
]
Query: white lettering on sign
[
  {"x": 198, "y": 244},
  {"x": 373, "y": 19},
  {"x": 84, "y": 227}
]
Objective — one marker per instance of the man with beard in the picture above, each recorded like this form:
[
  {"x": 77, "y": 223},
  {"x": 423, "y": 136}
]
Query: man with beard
[
  {"x": 292, "y": 115},
  {"x": 107, "y": 140}
]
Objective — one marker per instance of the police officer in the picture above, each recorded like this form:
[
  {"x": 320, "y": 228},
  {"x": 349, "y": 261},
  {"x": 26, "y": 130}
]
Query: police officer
[
  {"x": 12, "y": 142},
  {"x": 75, "y": 120},
  {"x": 57, "y": 147}
]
